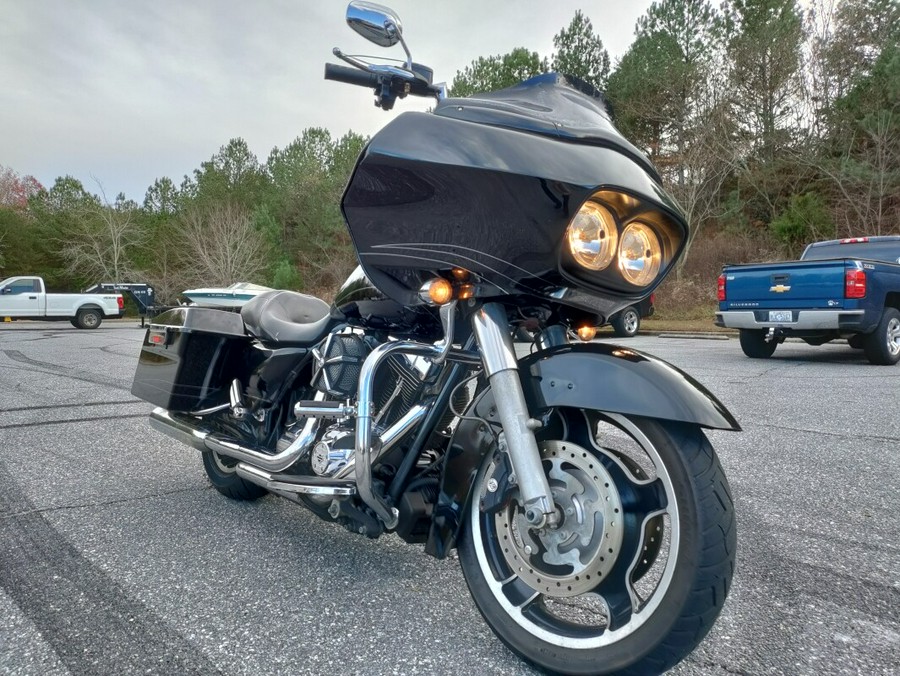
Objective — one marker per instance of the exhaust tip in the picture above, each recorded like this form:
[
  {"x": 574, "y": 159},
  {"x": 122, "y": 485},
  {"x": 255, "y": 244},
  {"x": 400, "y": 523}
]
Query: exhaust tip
[{"x": 162, "y": 421}]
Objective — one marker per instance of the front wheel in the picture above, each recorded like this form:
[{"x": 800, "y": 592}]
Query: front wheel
[{"x": 640, "y": 565}]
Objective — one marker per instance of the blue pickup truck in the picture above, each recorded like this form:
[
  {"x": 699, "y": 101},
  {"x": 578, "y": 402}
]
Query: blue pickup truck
[{"x": 844, "y": 288}]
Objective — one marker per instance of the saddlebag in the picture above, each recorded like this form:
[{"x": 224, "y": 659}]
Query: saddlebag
[{"x": 188, "y": 358}]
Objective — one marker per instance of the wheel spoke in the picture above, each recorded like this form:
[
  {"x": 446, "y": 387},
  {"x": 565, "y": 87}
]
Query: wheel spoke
[
  {"x": 619, "y": 605},
  {"x": 518, "y": 593}
]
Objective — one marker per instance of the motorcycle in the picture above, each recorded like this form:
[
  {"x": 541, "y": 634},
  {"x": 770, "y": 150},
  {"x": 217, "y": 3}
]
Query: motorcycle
[{"x": 452, "y": 393}]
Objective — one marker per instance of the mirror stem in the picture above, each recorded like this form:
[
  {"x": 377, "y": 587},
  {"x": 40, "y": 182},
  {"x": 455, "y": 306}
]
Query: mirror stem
[{"x": 391, "y": 26}]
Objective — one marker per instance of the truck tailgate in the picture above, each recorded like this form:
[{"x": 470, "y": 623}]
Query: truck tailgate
[{"x": 810, "y": 284}]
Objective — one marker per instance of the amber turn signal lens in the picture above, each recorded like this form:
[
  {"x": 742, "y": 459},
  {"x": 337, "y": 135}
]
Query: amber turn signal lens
[
  {"x": 459, "y": 274},
  {"x": 437, "y": 291},
  {"x": 587, "y": 333},
  {"x": 466, "y": 291}
]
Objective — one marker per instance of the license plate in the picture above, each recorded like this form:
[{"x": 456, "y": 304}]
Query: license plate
[{"x": 781, "y": 316}]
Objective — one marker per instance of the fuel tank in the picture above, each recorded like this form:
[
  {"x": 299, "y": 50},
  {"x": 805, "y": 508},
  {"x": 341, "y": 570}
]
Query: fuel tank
[{"x": 360, "y": 303}]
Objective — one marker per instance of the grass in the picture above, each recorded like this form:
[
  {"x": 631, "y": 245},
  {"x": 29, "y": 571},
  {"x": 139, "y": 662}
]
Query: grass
[{"x": 704, "y": 325}]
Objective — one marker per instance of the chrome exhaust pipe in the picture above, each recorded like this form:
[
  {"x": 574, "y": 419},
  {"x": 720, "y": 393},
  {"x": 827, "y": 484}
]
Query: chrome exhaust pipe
[
  {"x": 162, "y": 421},
  {"x": 270, "y": 463},
  {"x": 266, "y": 480},
  {"x": 201, "y": 439}
]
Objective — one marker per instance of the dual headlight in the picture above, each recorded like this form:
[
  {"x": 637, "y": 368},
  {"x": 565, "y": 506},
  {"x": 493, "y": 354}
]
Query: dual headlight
[{"x": 596, "y": 241}]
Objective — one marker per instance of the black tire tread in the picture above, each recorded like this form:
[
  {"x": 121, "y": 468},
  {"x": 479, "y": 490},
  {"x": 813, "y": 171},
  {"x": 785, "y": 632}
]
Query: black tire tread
[
  {"x": 231, "y": 485},
  {"x": 79, "y": 318},
  {"x": 717, "y": 549},
  {"x": 875, "y": 344},
  {"x": 754, "y": 345},
  {"x": 618, "y": 323}
]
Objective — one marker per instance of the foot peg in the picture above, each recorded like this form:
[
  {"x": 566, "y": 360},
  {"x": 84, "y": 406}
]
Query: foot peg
[{"x": 323, "y": 409}]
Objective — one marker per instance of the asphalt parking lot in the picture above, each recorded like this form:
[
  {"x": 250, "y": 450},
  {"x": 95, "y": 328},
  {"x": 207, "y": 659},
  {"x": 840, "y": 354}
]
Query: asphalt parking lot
[{"x": 116, "y": 557}]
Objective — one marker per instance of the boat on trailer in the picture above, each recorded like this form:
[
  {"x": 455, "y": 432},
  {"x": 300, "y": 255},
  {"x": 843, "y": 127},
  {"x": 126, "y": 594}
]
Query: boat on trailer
[{"x": 233, "y": 296}]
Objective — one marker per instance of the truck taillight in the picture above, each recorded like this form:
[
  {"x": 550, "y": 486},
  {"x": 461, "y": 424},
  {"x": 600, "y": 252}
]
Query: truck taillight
[
  {"x": 855, "y": 240},
  {"x": 721, "y": 288},
  {"x": 121, "y": 302},
  {"x": 855, "y": 284}
]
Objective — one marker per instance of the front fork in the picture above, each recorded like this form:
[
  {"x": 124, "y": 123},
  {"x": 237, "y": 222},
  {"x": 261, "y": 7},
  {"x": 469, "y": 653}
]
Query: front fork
[{"x": 494, "y": 339}]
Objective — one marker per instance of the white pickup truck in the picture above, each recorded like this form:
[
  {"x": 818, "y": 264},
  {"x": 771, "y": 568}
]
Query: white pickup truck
[{"x": 26, "y": 298}]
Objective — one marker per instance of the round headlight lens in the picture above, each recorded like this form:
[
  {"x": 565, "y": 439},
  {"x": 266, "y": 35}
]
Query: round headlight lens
[
  {"x": 640, "y": 255},
  {"x": 593, "y": 236}
]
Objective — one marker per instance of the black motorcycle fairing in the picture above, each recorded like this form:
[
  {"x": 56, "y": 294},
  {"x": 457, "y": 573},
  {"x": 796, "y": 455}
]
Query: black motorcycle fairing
[
  {"x": 593, "y": 376},
  {"x": 551, "y": 104},
  {"x": 431, "y": 193}
]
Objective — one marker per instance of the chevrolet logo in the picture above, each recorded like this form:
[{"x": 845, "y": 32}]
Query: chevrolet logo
[{"x": 779, "y": 288}]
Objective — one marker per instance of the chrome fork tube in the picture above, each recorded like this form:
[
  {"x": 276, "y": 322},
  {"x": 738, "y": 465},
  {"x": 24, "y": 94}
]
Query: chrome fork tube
[{"x": 492, "y": 332}]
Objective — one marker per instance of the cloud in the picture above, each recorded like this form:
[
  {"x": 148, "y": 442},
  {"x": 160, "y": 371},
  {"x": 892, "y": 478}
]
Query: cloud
[{"x": 129, "y": 92}]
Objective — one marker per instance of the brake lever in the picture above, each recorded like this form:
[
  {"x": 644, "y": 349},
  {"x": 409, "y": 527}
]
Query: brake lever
[{"x": 375, "y": 69}]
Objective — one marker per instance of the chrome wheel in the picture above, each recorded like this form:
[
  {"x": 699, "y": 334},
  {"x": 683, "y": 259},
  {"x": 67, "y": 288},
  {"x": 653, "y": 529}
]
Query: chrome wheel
[
  {"x": 639, "y": 567},
  {"x": 893, "y": 336},
  {"x": 627, "y": 322},
  {"x": 882, "y": 346},
  {"x": 591, "y": 560},
  {"x": 630, "y": 321}
]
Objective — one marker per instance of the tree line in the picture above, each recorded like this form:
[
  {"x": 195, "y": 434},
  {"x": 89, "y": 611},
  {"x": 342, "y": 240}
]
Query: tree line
[
  {"x": 235, "y": 218},
  {"x": 772, "y": 125}
]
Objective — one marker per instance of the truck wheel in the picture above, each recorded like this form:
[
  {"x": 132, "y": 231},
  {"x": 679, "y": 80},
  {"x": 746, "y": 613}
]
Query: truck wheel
[
  {"x": 88, "y": 319},
  {"x": 754, "y": 344},
  {"x": 627, "y": 322},
  {"x": 882, "y": 346}
]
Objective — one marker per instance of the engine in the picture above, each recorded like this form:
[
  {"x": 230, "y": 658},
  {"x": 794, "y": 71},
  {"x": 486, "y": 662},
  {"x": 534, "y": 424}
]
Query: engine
[{"x": 336, "y": 374}]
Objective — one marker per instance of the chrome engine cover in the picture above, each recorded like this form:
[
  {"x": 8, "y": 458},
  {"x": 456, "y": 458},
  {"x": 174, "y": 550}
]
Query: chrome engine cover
[{"x": 333, "y": 451}]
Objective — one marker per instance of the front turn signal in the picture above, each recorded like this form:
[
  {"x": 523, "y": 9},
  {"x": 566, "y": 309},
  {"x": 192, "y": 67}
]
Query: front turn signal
[
  {"x": 438, "y": 291},
  {"x": 586, "y": 333}
]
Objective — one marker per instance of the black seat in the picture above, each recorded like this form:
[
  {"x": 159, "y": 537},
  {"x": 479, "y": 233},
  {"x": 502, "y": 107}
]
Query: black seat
[{"x": 287, "y": 317}]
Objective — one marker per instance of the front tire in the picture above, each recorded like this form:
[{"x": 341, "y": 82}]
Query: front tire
[
  {"x": 640, "y": 566},
  {"x": 754, "y": 344},
  {"x": 627, "y": 323},
  {"x": 221, "y": 474},
  {"x": 882, "y": 346}
]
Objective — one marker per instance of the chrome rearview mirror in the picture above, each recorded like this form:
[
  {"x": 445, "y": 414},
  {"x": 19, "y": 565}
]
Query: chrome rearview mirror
[{"x": 375, "y": 23}]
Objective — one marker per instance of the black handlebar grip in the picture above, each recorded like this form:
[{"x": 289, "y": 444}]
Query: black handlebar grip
[{"x": 352, "y": 76}]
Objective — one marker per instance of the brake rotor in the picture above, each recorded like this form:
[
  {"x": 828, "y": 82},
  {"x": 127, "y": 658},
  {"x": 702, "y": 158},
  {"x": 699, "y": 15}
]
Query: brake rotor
[{"x": 575, "y": 557}]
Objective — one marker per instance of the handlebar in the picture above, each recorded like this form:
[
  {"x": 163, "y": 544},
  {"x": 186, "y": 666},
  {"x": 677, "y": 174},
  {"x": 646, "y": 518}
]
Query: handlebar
[
  {"x": 352, "y": 76},
  {"x": 388, "y": 85}
]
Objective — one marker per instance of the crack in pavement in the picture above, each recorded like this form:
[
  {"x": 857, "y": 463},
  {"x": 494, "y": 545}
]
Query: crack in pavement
[
  {"x": 70, "y": 405},
  {"x": 42, "y": 423},
  {"x": 66, "y": 372},
  {"x": 873, "y": 437},
  {"x": 88, "y": 505}
]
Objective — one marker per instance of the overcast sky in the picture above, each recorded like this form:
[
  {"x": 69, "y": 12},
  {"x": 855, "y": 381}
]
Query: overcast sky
[{"x": 123, "y": 92}]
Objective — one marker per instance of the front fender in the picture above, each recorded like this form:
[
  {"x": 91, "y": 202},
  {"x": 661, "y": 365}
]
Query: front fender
[{"x": 594, "y": 376}]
